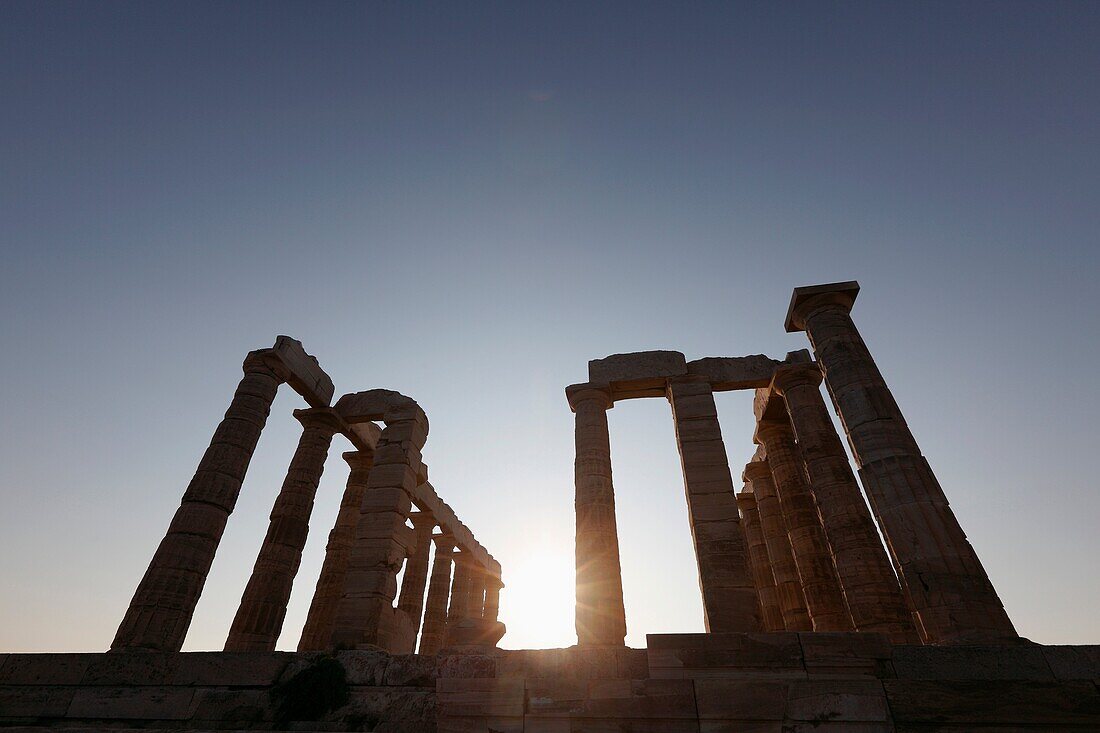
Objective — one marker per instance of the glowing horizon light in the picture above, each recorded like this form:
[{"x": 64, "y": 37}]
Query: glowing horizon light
[{"x": 537, "y": 602}]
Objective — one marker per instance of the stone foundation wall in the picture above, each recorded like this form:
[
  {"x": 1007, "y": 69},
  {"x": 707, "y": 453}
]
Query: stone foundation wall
[{"x": 703, "y": 683}]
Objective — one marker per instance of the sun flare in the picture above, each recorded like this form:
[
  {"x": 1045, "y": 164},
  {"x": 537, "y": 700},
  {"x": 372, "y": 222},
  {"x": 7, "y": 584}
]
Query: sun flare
[{"x": 537, "y": 604}]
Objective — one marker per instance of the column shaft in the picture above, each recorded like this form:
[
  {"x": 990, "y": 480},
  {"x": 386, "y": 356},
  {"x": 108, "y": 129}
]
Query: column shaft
[
  {"x": 411, "y": 600},
  {"x": 160, "y": 612},
  {"x": 761, "y": 566},
  {"x": 317, "y": 632},
  {"x": 259, "y": 619},
  {"x": 365, "y": 614},
  {"x": 600, "y": 615},
  {"x": 439, "y": 590},
  {"x": 944, "y": 580},
  {"x": 820, "y": 586},
  {"x": 725, "y": 578},
  {"x": 492, "y": 599},
  {"x": 792, "y": 601}
]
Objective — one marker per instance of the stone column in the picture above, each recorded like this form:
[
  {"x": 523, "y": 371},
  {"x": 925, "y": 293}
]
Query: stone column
[
  {"x": 725, "y": 578},
  {"x": 411, "y": 600},
  {"x": 600, "y": 615},
  {"x": 870, "y": 588},
  {"x": 761, "y": 566},
  {"x": 164, "y": 602},
  {"x": 492, "y": 598},
  {"x": 820, "y": 586},
  {"x": 259, "y": 619},
  {"x": 317, "y": 632},
  {"x": 439, "y": 590},
  {"x": 459, "y": 607},
  {"x": 365, "y": 614},
  {"x": 943, "y": 578},
  {"x": 788, "y": 585}
]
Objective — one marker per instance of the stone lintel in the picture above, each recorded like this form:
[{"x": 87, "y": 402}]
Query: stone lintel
[
  {"x": 847, "y": 290},
  {"x": 734, "y": 372},
  {"x": 427, "y": 500},
  {"x": 638, "y": 374},
  {"x": 379, "y": 404},
  {"x": 302, "y": 372}
]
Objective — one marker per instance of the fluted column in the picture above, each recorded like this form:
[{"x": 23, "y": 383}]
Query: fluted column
[
  {"x": 317, "y": 632},
  {"x": 761, "y": 567},
  {"x": 411, "y": 600},
  {"x": 163, "y": 604},
  {"x": 365, "y": 613},
  {"x": 943, "y": 578},
  {"x": 459, "y": 607},
  {"x": 729, "y": 595},
  {"x": 259, "y": 619},
  {"x": 820, "y": 585},
  {"x": 788, "y": 585},
  {"x": 600, "y": 616},
  {"x": 439, "y": 590},
  {"x": 492, "y": 598},
  {"x": 870, "y": 588}
]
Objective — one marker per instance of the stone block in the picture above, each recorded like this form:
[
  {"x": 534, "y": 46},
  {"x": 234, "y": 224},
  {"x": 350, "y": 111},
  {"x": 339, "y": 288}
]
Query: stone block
[
  {"x": 483, "y": 698},
  {"x": 1045, "y": 705},
  {"x": 394, "y": 709},
  {"x": 226, "y": 708},
  {"x": 837, "y": 700},
  {"x": 728, "y": 654},
  {"x": 482, "y": 724},
  {"x": 1002, "y": 662},
  {"x": 125, "y": 668},
  {"x": 45, "y": 669},
  {"x": 35, "y": 701},
  {"x": 741, "y": 700},
  {"x": 734, "y": 372},
  {"x": 411, "y": 670},
  {"x": 1073, "y": 662},
  {"x": 364, "y": 667},
  {"x": 639, "y": 374},
  {"x": 302, "y": 372},
  {"x": 846, "y": 654},
  {"x": 237, "y": 669},
  {"x": 132, "y": 703}
]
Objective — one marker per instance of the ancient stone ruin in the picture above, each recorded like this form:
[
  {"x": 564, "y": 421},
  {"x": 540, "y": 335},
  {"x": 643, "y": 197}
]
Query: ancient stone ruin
[{"x": 812, "y": 622}]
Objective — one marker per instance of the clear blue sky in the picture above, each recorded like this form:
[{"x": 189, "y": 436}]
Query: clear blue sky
[{"x": 466, "y": 202}]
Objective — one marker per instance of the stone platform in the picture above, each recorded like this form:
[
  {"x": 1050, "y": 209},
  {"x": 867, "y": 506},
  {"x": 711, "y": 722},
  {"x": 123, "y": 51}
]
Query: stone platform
[{"x": 705, "y": 683}]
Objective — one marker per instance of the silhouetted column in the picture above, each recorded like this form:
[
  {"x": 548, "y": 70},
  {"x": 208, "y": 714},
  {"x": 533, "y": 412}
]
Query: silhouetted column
[
  {"x": 259, "y": 619},
  {"x": 439, "y": 591},
  {"x": 492, "y": 598},
  {"x": 317, "y": 632},
  {"x": 944, "y": 580},
  {"x": 411, "y": 600},
  {"x": 365, "y": 614},
  {"x": 870, "y": 588},
  {"x": 729, "y": 595},
  {"x": 761, "y": 567},
  {"x": 459, "y": 607},
  {"x": 820, "y": 586},
  {"x": 600, "y": 616},
  {"x": 788, "y": 585},
  {"x": 164, "y": 602}
]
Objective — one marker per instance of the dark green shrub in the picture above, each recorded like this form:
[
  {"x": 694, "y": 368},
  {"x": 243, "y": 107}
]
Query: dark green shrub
[{"x": 318, "y": 689}]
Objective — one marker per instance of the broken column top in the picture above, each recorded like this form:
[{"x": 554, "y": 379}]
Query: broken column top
[
  {"x": 847, "y": 290},
  {"x": 301, "y": 371}
]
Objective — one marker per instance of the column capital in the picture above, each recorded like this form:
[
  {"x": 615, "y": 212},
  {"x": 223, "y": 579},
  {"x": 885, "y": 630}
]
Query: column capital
[
  {"x": 756, "y": 470},
  {"x": 321, "y": 418},
  {"x": 806, "y": 300},
  {"x": 589, "y": 391},
  {"x": 264, "y": 361},
  {"x": 444, "y": 543},
  {"x": 359, "y": 459},
  {"x": 767, "y": 429},
  {"x": 747, "y": 497},
  {"x": 423, "y": 519},
  {"x": 795, "y": 375}
]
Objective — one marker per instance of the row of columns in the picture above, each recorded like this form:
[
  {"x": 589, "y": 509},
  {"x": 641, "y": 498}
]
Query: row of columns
[
  {"x": 370, "y": 542},
  {"x": 798, "y": 549}
]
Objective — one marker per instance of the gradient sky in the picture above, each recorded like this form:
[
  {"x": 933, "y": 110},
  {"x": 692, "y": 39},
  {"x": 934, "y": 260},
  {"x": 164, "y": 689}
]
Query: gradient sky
[{"x": 467, "y": 202}]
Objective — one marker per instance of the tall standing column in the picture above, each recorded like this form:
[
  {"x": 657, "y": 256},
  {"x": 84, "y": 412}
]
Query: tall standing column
[
  {"x": 459, "y": 607},
  {"x": 721, "y": 551},
  {"x": 317, "y": 632},
  {"x": 943, "y": 578},
  {"x": 870, "y": 588},
  {"x": 439, "y": 590},
  {"x": 492, "y": 598},
  {"x": 165, "y": 600},
  {"x": 259, "y": 619},
  {"x": 600, "y": 615},
  {"x": 411, "y": 600},
  {"x": 761, "y": 566},
  {"x": 820, "y": 586},
  {"x": 365, "y": 614},
  {"x": 792, "y": 601}
]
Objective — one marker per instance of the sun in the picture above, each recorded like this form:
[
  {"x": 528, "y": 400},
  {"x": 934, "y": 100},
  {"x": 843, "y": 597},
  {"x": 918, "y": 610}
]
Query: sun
[{"x": 537, "y": 601}]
